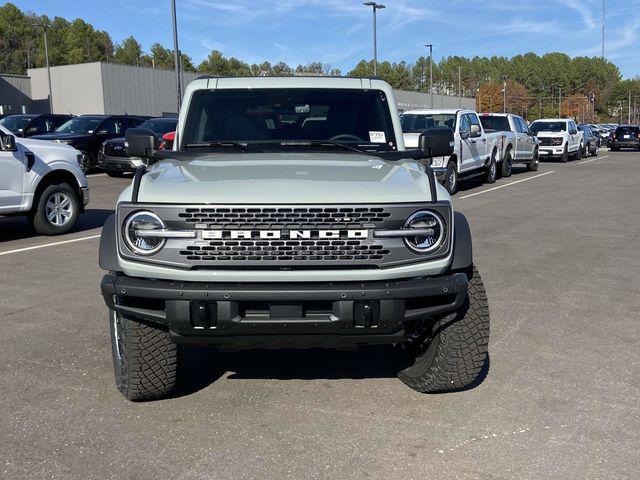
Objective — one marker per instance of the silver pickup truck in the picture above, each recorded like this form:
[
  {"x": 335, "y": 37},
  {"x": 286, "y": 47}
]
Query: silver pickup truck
[{"x": 290, "y": 214}]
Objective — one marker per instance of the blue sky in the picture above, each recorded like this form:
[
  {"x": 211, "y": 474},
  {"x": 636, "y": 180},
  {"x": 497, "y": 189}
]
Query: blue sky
[{"x": 338, "y": 32}]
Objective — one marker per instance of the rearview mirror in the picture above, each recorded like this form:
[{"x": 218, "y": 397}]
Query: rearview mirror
[
  {"x": 140, "y": 142},
  {"x": 436, "y": 142},
  {"x": 8, "y": 143},
  {"x": 475, "y": 131}
]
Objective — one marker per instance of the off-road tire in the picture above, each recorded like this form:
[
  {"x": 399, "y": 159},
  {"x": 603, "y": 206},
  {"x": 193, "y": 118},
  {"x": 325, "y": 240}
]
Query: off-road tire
[
  {"x": 491, "y": 173},
  {"x": 145, "y": 360},
  {"x": 38, "y": 215},
  {"x": 579, "y": 153},
  {"x": 507, "y": 165},
  {"x": 455, "y": 357},
  {"x": 452, "y": 187},
  {"x": 533, "y": 165}
]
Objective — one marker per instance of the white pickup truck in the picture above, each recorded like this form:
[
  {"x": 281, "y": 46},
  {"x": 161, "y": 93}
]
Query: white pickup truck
[
  {"x": 520, "y": 144},
  {"x": 559, "y": 138},
  {"x": 42, "y": 180},
  {"x": 475, "y": 153}
]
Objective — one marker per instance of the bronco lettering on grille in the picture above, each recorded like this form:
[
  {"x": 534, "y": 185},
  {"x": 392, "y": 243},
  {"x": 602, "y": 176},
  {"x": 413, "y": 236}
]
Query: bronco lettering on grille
[{"x": 277, "y": 234}]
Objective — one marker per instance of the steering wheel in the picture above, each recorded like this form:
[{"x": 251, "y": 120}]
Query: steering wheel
[{"x": 345, "y": 136}]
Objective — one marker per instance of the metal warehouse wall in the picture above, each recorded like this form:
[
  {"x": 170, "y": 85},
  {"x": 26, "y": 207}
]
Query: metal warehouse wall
[
  {"x": 15, "y": 94},
  {"x": 140, "y": 91},
  {"x": 406, "y": 100},
  {"x": 76, "y": 89}
]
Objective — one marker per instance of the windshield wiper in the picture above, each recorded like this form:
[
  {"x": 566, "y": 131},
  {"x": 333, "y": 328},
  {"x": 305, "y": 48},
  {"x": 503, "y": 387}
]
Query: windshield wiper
[
  {"x": 319, "y": 143},
  {"x": 236, "y": 145}
]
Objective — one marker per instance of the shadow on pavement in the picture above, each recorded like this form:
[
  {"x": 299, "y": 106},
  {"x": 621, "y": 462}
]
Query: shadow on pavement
[{"x": 18, "y": 228}]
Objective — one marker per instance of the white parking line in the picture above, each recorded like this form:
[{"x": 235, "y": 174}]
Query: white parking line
[
  {"x": 594, "y": 159},
  {"x": 97, "y": 175},
  {"x": 53, "y": 244},
  {"x": 507, "y": 184}
]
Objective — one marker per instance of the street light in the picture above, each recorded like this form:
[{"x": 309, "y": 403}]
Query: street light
[
  {"x": 176, "y": 53},
  {"x": 430, "y": 46},
  {"x": 374, "y": 6},
  {"x": 504, "y": 93},
  {"x": 46, "y": 56}
]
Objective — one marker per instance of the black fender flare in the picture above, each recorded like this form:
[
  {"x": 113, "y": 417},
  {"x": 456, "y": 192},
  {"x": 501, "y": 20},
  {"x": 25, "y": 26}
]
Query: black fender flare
[
  {"x": 108, "y": 254},
  {"x": 462, "y": 246}
]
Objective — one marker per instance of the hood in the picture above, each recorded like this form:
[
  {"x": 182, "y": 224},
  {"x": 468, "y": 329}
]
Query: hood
[
  {"x": 62, "y": 136},
  {"x": 544, "y": 134},
  {"x": 284, "y": 178}
]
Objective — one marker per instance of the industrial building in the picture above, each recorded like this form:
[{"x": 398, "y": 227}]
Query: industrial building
[{"x": 110, "y": 88}]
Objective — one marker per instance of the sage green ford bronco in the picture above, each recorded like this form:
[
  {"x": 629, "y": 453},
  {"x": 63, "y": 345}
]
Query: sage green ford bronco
[{"x": 290, "y": 215}]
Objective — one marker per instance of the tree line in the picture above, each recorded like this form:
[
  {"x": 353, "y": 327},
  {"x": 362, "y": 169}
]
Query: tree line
[{"x": 545, "y": 85}]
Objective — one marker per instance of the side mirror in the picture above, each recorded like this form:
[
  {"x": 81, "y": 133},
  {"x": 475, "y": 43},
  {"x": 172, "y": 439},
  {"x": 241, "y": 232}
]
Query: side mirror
[
  {"x": 8, "y": 143},
  {"x": 475, "y": 131},
  {"x": 436, "y": 142},
  {"x": 464, "y": 134},
  {"x": 140, "y": 142}
]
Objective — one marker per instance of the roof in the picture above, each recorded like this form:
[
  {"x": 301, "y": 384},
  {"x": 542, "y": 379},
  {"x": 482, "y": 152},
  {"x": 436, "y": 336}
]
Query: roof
[
  {"x": 553, "y": 120},
  {"x": 425, "y": 111}
]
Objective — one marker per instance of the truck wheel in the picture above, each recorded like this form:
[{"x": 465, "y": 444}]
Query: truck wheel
[
  {"x": 491, "y": 170},
  {"x": 583, "y": 151},
  {"x": 455, "y": 354},
  {"x": 565, "y": 155},
  {"x": 532, "y": 166},
  {"x": 451, "y": 179},
  {"x": 507, "y": 164},
  {"x": 56, "y": 210},
  {"x": 145, "y": 360}
]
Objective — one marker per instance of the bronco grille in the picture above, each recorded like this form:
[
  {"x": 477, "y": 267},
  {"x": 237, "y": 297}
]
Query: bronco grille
[
  {"x": 115, "y": 150},
  {"x": 286, "y": 217}
]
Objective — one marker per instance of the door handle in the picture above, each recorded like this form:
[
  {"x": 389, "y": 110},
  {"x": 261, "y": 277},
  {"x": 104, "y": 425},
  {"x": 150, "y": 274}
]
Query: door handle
[{"x": 472, "y": 141}]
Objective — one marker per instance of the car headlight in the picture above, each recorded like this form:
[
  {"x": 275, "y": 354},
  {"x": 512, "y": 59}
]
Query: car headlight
[
  {"x": 140, "y": 230},
  {"x": 430, "y": 231},
  {"x": 438, "y": 162}
]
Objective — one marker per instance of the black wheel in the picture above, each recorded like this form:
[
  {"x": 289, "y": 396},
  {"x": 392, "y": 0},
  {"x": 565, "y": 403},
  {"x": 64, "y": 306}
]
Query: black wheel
[
  {"x": 115, "y": 174},
  {"x": 145, "y": 360},
  {"x": 583, "y": 151},
  {"x": 507, "y": 164},
  {"x": 453, "y": 352},
  {"x": 565, "y": 155},
  {"x": 56, "y": 210},
  {"x": 532, "y": 166},
  {"x": 451, "y": 179},
  {"x": 491, "y": 170},
  {"x": 85, "y": 162}
]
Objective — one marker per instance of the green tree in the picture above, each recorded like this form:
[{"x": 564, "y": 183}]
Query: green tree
[{"x": 129, "y": 52}]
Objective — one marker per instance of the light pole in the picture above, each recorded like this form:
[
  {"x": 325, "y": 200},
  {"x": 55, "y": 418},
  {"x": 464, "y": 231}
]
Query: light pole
[
  {"x": 430, "y": 46},
  {"x": 46, "y": 57},
  {"x": 176, "y": 53},
  {"x": 374, "y": 6},
  {"x": 603, "y": 17},
  {"x": 504, "y": 94}
]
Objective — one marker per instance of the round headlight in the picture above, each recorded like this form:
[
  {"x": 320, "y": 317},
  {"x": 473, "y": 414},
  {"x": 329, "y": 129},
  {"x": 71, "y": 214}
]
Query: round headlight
[
  {"x": 432, "y": 231},
  {"x": 134, "y": 233}
]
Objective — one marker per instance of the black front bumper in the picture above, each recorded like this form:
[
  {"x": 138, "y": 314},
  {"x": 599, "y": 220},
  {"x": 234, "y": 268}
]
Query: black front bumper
[
  {"x": 234, "y": 315},
  {"x": 116, "y": 164}
]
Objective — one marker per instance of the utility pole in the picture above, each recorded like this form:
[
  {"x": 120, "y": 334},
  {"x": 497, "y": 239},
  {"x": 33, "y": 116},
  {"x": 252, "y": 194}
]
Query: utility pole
[
  {"x": 603, "y": 17},
  {"x": 176, "y": 54},
  {"x": 559, "y": 102},
  {"x": 375, "y": 6},
  {"x": 46, "y": 57},
  {"x": 540, "y": 101},
  {"x": 430, "y": 45},
  {"x": 459, "y": 87},
  {"x": 629, "y": 119},
  {"x": 504, "y": 94}
]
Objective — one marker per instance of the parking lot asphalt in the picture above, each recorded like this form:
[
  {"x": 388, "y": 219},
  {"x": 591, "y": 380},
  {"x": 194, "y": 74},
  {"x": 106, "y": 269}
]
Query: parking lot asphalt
[{"x": 558, "y": 250}]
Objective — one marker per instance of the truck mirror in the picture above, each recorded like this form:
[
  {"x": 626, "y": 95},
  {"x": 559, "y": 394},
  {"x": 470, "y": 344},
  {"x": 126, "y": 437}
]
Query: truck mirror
[
  {"x": 8, "y": 143},
  {"x": 436, "y": 142},
  {"x": 475, "y": 131},
  {"x": 140, "y": 142}
]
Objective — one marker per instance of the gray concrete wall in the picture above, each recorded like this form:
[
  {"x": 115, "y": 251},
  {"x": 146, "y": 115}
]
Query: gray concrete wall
[
  {"x": 140, "y": 91},
  {"x": 406, "y": 100},
  {"x": 15, "y": 94},
  {"x": 76, "y": 89}
]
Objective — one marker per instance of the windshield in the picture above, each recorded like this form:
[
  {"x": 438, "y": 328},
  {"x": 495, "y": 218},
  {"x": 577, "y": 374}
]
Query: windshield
[
  {"x": 548, "y": 127},
  {"x": 277, "y": 118},
  {"x": 16, "y": 123},
  {"x": 495, "y": 123},
  {"x": 416, "y": 123},
  {"x": 160, "y": 127},
  {"x": 84, "y": 125}
]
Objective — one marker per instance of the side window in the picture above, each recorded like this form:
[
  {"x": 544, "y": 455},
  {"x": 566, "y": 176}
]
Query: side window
[
  {"x": 38, "y": 125},
  {"x": 572, "y": 128},
  {"x": 55, "y": 122},
  {"x": 474, "y": 120},
  {"x": 111, "y": 126},
  {"x": 420, "y": 122},
  {"x": 522, "y": 126},
  {"x": 464, "y": 123}
]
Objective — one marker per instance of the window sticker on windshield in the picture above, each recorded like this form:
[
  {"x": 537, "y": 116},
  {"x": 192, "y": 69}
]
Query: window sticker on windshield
[
  {"x": 377, "y": 137},
  {"x": 270, "y": 124}
]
